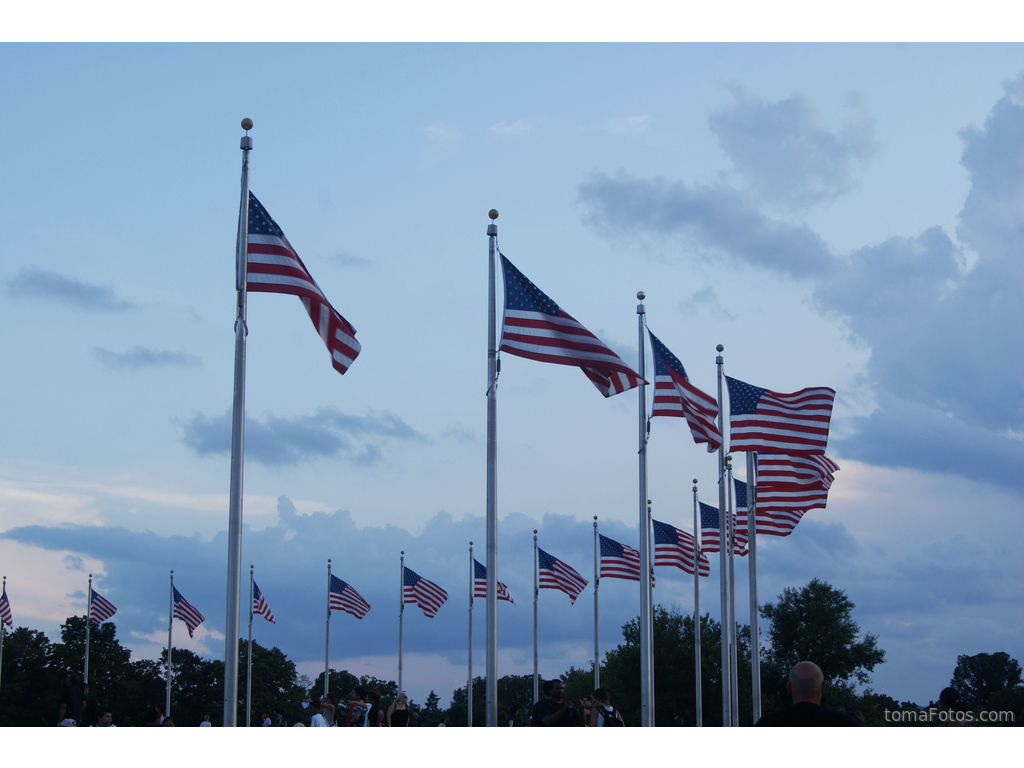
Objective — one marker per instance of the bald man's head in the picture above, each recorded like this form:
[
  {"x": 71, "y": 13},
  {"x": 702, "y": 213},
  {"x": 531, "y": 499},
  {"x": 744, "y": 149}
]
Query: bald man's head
[{"x": 806, "y": 683}]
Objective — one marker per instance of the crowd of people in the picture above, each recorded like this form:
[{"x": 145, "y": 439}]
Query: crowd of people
[{"x": 364, "y": 709}]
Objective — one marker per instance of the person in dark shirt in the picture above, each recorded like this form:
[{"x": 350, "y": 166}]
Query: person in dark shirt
[
  {"x": 806, "y": 685},
  {"x": 554, "y": 712}
]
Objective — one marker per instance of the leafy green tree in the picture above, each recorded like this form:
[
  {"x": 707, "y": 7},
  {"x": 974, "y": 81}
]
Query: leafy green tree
[
  {"x": 197, "y": 687},
  {"x": 990, "y": 682},
  {"x": 273, "y": 683},
  {"x": 339, "y": 683},
  {"x": 815, "y": 623},
  {"x": 674, "y": 671},
  {"x": 432, "y": 713},
  {"x": 578, "y": 683},
  {"x": 30, "y": 695},
  {"x": 513, "y": 690}
]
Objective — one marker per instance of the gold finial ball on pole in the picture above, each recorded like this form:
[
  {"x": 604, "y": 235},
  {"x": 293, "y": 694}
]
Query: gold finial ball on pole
[
  {"x": 535, "y": 530},
  {"x": 493, "y": 213},
  {"x": 246, "y": 124},
  {"x": 720, "y": 348},
  {"x": 402, "y": 552},
  {"x": 471, "y": 543},
  {"x": 695, "y": 481},
  {"x": 595, "y": 517},
  {"x": 641, "y": 295}
]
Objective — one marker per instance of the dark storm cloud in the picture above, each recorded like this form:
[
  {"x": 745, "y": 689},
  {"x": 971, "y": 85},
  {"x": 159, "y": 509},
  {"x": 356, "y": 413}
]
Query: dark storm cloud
[
  {"x": 284, "y": 441},
  {"x": 718, "y": 220},
  {"x": 48, "y": 285},
  {"x": 138, "y": 358},
  {"x": 785, "y": 152},
  {"x": 914, "y": 436}
]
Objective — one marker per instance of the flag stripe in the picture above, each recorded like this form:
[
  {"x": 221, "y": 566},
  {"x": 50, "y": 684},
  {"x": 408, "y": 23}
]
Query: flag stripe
[
  {"x": 773, "y": 422},
  {"x": 102, "y": 609},
  {"x": 675, "y": 547},
  {"x": 273, "y": 266},
  {"x": 674, "y": 395},
  {"x": 422, "y": 592},
  {"x": 5, "y": 610},
  {"x": 535, "y": 327},
  {"x": 480, "y": 584},
  {"x": 554, "y": 574},
  {"x": 342, "y": 597},
  {"x": 183, "y": 610},
  {"x": 260, "y": 607}
]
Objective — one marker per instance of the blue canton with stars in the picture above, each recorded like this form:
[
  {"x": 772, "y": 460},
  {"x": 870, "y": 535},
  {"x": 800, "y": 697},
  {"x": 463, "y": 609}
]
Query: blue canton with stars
[
  {"x": 664, "y": 359},
  {"x": 521, "y": 294},
  {"x": 260, "y": 222},
  {"x": 708, "y": 517},
  {"x": 743, "y": 397}
]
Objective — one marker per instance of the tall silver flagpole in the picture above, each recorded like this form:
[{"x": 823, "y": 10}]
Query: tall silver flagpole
[
  {"x": 248, "y": 661},
  {"x": 88, "y": 627},
  {"x": 3, "y": 627},
  {"x": 646, "y": 623},
  {"x": 723, "y": 564},
  {"x": 755, "y": 630},
  {"x": 170, "y": 624},
  {"x": 597, "y": 582},
  {"x": 401, "y": 615},
  {"x": 734, "y": 676},
  {"x": 469, "y": 686},
  {"x": 234, "y": 579},
  {"x": 536, "y": 594},
  {"x": 327, "y": 634},
  {"x": 696, "y": 606},
  {"x": 492, "y": 480}
]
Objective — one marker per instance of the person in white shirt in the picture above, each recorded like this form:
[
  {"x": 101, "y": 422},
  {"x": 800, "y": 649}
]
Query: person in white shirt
[{"x": 317, "y": 720}]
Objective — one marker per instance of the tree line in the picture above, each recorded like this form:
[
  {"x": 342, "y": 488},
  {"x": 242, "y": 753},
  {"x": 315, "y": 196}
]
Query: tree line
[{"x": 811, "y": 623}]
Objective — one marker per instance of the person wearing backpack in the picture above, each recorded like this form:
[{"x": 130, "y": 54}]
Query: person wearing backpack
[{"x": 603, "y": 714}]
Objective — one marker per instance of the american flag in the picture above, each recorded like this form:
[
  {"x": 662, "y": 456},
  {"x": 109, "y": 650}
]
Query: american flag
[
  {"x": 771, "y": 422},
  {"x": 5, "y": 609},
  {"x": 423, "y": 592},
  {"x": 618, "y": 561},
  {"x": 184, "y": 611},
  {"x": 260, "y": 607},
  {"x": 535, "y": 327},
  {"x": 102, "y": 609},
  {"x": 674, "y": 395},
  {"x": 675, "y": 547},
  {"x": 273, "y": 266},
  {"x": 787, "y": 487},
  {"x": 480, "y": 584},
  {"x": 554, "y": 574},
  {"x": 710, "y": 539},
  {"x": 343, "y": 598}
]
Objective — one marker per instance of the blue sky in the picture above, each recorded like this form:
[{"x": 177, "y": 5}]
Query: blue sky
[{"x": 834, "y": 215}]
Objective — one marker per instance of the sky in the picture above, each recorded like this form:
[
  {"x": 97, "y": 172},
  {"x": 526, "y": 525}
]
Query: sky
[{"x": 834, "y": 215}]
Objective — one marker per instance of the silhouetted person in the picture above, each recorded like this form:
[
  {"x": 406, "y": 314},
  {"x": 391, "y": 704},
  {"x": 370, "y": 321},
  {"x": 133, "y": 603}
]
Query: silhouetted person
[
  {"x": 949, "y": 702},
  {"x": 806, "y": 685}
]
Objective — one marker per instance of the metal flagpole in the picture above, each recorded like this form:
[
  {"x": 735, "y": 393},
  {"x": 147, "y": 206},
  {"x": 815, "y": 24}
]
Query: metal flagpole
[
  {"x": 248, "y": 662},
  {"x": 469, "y": 686},
  {"x": 3, "y": 630},
  {"x": 755, "y": 630},
  {"x": 170, "y": 623},
  {"x": 597, "y": 582},
  {"x": 492, "y": 480},
  {"x": 723, "y": 565},
  {"x": 734, "y": 676},
  {"x": 88, "y": 628},
  {"x": 401, "y": 615},
  {"x": 237, "y": 428},
  {"x": 327, "y": 635},
  {"x": 536, "y": 594},
  {"x": 696, "y": 606},
  {"x": 646, "y": 624}
]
